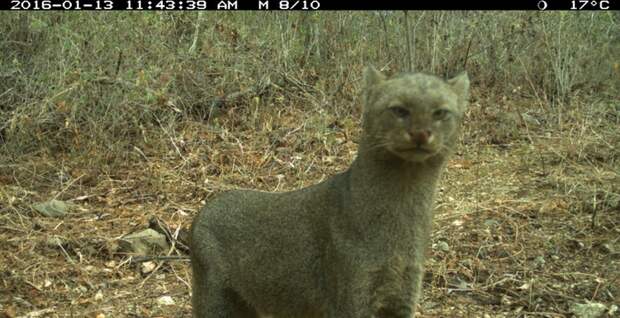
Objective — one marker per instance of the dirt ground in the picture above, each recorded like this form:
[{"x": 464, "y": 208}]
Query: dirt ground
[{"x": 527, "y": 221}]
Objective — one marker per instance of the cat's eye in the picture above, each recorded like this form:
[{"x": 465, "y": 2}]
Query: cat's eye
[
  {"x": 441, "y": 114},
  {"x": 399, "y": 111}
]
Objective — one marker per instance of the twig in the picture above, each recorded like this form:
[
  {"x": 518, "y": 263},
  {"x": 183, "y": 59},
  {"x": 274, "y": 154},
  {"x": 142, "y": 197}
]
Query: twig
[
  {"x": 66, "y": 254},
  {"x": 532, "y": 86},
  {"x": 161, "y": 227},
  {"x": 409, "y": 61},
  {"x": 174, "y": 144},
  {"x": 67, "y": 186},
  {"x": 258, "y": 89},
  {"x": 138, "y": 150},
  {"x": 385, "y": 32},
  {"x": 192, "y": 48},
  {"x": 119, "y": 62},
  {"x": 139, "y": 259},
  {"x": 6, "y": 92},
  {"x": 39, "y": 313},
  {"x": 467, "y": 52},
  {"x": 172, "y": 248}
]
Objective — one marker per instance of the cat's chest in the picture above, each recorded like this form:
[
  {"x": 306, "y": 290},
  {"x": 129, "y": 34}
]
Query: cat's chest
[{"x": 397, "y": 207}]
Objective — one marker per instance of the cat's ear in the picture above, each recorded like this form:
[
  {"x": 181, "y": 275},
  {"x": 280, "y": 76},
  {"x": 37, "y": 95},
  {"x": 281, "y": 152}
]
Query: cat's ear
[
  {"x": 460, "y": 85},
  {"x": 372, "y": 77}
]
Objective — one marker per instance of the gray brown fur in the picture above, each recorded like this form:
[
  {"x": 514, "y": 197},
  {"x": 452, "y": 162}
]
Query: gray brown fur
[{"x": 351, "y": 246}]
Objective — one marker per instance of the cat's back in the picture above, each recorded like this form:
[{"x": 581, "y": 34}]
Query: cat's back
[
  {"x": 232, "y": 210},
  {"x": 304, "y": 201}
]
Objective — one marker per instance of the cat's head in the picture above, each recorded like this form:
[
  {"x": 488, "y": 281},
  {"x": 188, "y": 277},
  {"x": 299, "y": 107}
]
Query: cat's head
[{"x": 413, "y": 116}]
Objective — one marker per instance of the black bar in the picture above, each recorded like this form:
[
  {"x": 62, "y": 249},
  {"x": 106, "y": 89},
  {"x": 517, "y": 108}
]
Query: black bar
[
  {"x": 309, "y": 5},
  {"x": 537, "y": 5}
]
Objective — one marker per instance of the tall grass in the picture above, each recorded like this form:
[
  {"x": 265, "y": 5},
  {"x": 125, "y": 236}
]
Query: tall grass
[{"x": 82, "y": 82}]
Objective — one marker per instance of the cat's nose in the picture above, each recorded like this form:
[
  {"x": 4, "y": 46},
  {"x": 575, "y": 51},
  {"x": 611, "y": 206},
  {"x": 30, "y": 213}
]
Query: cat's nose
[{"x": 420, "y": 137}]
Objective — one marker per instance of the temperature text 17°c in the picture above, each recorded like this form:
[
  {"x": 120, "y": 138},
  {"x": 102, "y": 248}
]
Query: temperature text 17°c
[{"x": 592, "y": 4}]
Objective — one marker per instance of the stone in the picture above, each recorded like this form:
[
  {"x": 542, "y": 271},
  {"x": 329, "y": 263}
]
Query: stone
[
  {"x": 52, "y": 208},
  {"x": 146, "y": 242}
]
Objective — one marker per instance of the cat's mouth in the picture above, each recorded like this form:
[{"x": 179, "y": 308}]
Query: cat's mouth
[
  {"x": 418, "y": 150},
  {"x": 413, "y": 153}
]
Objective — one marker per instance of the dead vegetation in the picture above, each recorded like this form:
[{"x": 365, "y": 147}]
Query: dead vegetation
[{"x": 141, "y": 119}]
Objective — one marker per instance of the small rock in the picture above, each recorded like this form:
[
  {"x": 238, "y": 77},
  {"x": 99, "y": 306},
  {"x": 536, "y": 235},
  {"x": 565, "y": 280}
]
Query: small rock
[
  {"x": 503, "y": 254},
  {"x": 539, "y": 261},
  {"x": 491, "y": 223},
  {"x": 10, "y": 312},
  {"x": 81, "y": 289},
  {"x": 530, "y": 119},
  {"x": 429, "y": 304},
  {"x": 607, "y": 248},
  {"x": 143, "y": 243},
  {"x": 588, "y": 310},
  {"x": 506, "y": 300},
  {"x": 147, "y": 267},
  {"x": 37, "y": 226},
  {"x": 576, "y": 244},
  {"x": 165, "y": 300},
  {"x": 442, "y": 246},
  {"x": 54, "y": 241},
  {"x": 52, "y": 208}
]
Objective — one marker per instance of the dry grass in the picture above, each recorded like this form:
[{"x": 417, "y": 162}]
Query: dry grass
[
  {"x": 517, "y": 216},
  {"x": 529, "y": 209}
]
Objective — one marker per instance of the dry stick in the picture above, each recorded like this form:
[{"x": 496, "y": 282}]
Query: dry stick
[
  {"x": 258, "y": 89},
  {"x": 415, "y": 33},
  {"x": 39, "y": 313},
  {"x": 337, "y": 89},
  {"x": 594, "y": 208},
  {"x": 139, "y": 151},
  {"x": 64, "y": 91},
  {"x": 140, "y": 259},
  {"x": 172, "y": 248},
  {"x": 409, "y": 66},
  {"x": 386, "y": 41},
  {"x": 171, "y": 139},
  {"x": 307, "y": 33},
  {"x": 467, "y": 52},
  {"x": 306, "y": 88},
  {"x": 68, "y": 186},
  {"x": 192, "y": 48},
  {"x": 6, "y": 92},
  {"x": 118, "y": 63},
  {"x": 160, "y": 227},
  {"x": 184, "y": 281},
  {"x": 436, "y": 24},
  {"x": 527, "y": 128},
  {"x": 533, "y": 87}
]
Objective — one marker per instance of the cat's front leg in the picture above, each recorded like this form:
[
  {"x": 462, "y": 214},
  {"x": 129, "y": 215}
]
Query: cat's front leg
[
  {"x": 348, "y": 285},
  {"x": 396, "y": 288}
]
